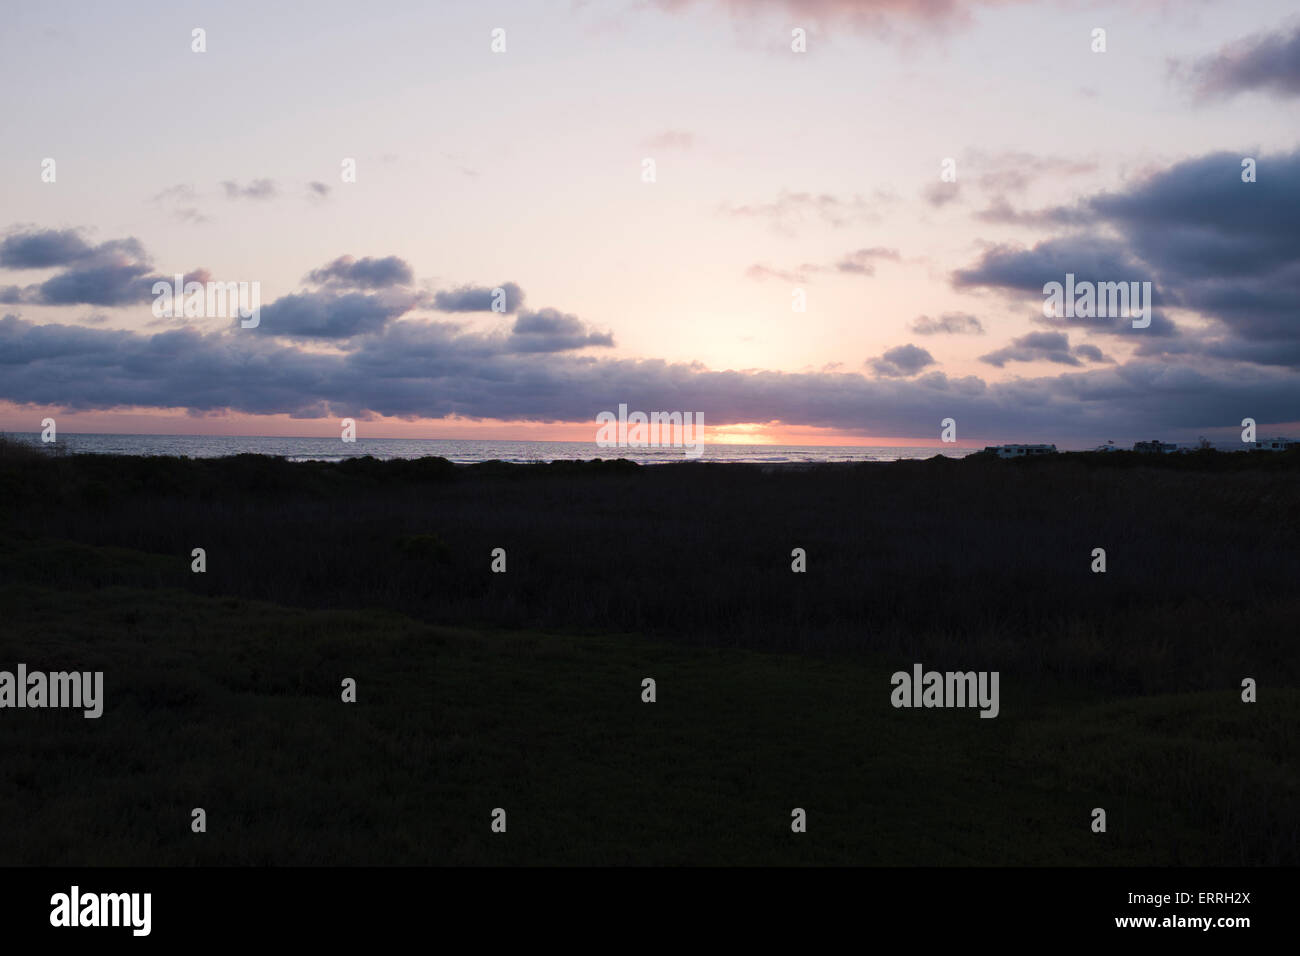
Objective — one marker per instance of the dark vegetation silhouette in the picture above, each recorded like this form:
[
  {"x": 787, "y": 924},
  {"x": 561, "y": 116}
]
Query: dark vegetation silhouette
[
  {"x": 974, "y": 560},
  {"x": 523, "y": 690}
]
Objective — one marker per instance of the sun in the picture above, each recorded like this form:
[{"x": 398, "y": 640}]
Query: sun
[{"x": 755, "y": 433}]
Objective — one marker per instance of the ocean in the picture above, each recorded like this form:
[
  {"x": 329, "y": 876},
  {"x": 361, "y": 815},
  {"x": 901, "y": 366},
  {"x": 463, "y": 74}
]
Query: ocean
[{"x": 464, "y": 451}]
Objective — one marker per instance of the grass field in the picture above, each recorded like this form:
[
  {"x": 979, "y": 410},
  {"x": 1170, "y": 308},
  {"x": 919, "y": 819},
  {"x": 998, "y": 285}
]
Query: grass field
[{"x": 234, "y": 706}]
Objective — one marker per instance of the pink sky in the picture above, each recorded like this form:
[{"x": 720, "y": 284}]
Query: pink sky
[{"x": 20, "y": 418}]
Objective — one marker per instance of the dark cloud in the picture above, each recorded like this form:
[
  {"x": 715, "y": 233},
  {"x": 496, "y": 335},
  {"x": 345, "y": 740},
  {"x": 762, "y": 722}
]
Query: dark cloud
[
  {"x": 1044, "y": 347},
  {"x": 549, "y": 330},
  {"x": 317, "y": 190},
  {"x": 1231, "y": 248},
  {"x": 109, "y": 283},
  {"x": 43, "y": 248},
  {"x": 101, "y": 368},
  {"x": 1265, "y": 62},
  {"x": 366, "y": 273},
  {"x": 1225, "y": 249},
  {"x": 471, "y": 298},
  {"x": 902, "y": 360},
  {"x": 328, "y": 314},
  {"x": 420, "y": 369},
  {"x": 1022, "y": 273},
  {"x": 334, "y": 313},
  {"x": 1091, "y": 353},
  {"x": 1027, "y": 270},
  {"x": 112, "y": 273},
  {"x": 950, "y": 323},
  {"x": 1218, "y": 221}
]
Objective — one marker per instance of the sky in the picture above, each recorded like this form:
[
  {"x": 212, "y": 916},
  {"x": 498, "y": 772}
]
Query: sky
[{"x": 655, "y": 187}]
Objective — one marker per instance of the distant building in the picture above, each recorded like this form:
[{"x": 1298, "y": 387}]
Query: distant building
[
  {"x": 1021, "y": 451},
  {"x": 1109, "y": 446},
  {"x": 1275, "y": 444},
  {"x": 1156, "y": 447}
]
